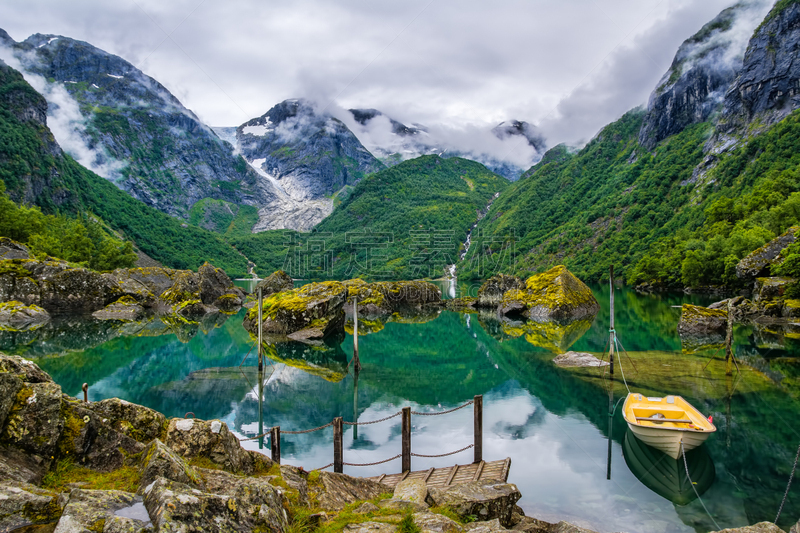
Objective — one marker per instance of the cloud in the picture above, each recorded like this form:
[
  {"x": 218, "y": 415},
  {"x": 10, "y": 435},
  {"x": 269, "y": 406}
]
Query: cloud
[{"x": 65, "y": 120}]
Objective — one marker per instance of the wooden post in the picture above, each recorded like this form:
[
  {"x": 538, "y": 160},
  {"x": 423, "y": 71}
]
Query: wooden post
[
  {"x": 355, "y": 402},
  {"x": 406, "y": 439},
  {"x": 477, "y": 424},
  {"x": 260, "y": 328},
  {"x": 275, "y": 444},
  {"x": 357, "y": 362},
  {"x": 729, "y": 342},
  {"x": 85, "y": 392},
  {"x": 337, "y": 445},
  {"x": 612, "y": 333}
]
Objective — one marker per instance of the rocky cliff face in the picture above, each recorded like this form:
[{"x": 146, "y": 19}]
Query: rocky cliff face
[
  {"x": 702, "y": 71},
  {"x": 307, "y": 157},
  {"x": 126, "y": 126},
  {"x": 768, "y": 85}
]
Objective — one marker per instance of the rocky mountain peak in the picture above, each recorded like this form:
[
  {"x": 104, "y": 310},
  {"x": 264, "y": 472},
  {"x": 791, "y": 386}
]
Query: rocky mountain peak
[
  {"x": 700, "y": 74},
  {"x": 512, "y": 128},
  {"x": 365, "y": 116},
  {"x": 768, "y": 84}
]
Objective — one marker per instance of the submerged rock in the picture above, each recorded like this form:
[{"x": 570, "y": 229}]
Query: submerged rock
[
  {"x": 553, "y": 295},
  {"x": 16, "y": 315},
  {"x": 578, "y": 359},
  {"x": 126, "y": 309}
]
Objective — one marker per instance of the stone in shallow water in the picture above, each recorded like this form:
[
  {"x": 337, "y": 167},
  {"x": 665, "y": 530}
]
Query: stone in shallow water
[{"x": 578, "y": 359}]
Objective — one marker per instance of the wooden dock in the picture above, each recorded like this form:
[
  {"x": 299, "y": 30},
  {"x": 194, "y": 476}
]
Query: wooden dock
[{"x": 452, "y": 475}]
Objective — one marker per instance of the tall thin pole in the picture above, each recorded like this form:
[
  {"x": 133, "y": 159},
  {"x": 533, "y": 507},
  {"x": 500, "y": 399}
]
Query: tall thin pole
[
  {"x": 357, "y": 361},
  {"x": 477, "y": 424},
  {"x": 729, "y": 342},
  {"x": 406, "y": 431},
  {"x": 355, "y": 402},
  {"x": 261, "y": 409},
  {"x": 260, "y": 332},
  {"x": 611, "y": 332},
  {"x": 337, "y": 445}
]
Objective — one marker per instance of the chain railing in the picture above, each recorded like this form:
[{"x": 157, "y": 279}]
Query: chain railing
[{"x": 274, "y": 435}]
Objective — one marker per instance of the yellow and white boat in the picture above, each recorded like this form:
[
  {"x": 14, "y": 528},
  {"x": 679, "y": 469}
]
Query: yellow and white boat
[{"x": 665, "y": 423}]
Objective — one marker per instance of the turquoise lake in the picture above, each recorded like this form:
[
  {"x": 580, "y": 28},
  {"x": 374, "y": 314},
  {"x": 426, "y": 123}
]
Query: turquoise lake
[{"x": 552, "y": 422}]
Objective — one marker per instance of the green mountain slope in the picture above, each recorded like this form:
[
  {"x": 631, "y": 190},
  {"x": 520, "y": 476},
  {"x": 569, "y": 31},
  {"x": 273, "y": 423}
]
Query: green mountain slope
[
  {"x": 649, "y": 214},
  {"x": 35, "y": 171},
  {"x": 405, "y": 222}
]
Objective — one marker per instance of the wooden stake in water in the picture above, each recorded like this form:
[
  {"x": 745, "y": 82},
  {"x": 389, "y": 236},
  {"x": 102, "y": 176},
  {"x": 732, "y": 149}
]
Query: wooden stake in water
[{"x": 260, "y": 335}]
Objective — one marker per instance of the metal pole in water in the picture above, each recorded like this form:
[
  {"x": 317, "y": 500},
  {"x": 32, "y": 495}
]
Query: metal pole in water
[
  {"x": 85, "y": 392},
  {"x": 357, "y": 362},
  {"x": 612, "y": 333},
  {"x": 355, "y": 402},
  {"x": 261, "y": 409},
  {"x": 729, "y": 342},
  {"x": 260, "y": 334},
  {"x": 610, "y": 429}
]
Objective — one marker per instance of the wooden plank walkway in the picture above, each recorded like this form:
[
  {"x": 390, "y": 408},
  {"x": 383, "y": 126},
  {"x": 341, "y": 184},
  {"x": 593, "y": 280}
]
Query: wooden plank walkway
[{"x": 452, "y": 475}]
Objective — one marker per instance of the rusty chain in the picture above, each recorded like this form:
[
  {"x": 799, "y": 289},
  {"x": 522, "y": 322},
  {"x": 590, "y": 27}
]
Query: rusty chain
[
  {"x": 443, "y": 412},
  {"x": 444, "y": 454},
  {"x": 398, "y": 413},
  {"x": 307, "y": 430},
  {"x": 376, "y": 462},
  {"x": 322, "y": 467}
]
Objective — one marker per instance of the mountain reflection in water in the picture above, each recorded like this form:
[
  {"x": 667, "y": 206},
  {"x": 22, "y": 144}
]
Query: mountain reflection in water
[{"x": 552, "y": 422}]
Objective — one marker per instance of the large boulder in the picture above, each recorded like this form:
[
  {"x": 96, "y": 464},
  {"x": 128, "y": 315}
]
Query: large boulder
[
  {"x": 339, "y": 490},
  {"x": 276, "y": 282},
  {"x": 125, "y": 309},
  {"x": 26, "y": 371},
  {"x": 34, "y": 422},
  {"x": 145, "y": 284},
  {"x": 771, "y": 288},
  {"x": 702, "y": 321},
  {"x": 386, "y": 297},
  {"x": 18, "y": 316},
  {"x": 10, "y": 249},
  {"x": 482, "y": 499},
  {"x": 22, "y": 505},
  {"x": 10, "y": 385},
  {"x": 555, "y": 295},
  {"x": 758, "y": 263},
  {"x": 136, "y": 421},
  {"x": 237, "y": 505},
  {"x": 160, "y": 461},
  {"x": 217, "y": 289},
  {"x": 191, "y": 438},
  {"x": 89, "y": 510},
  {"x": 436, "y": 523},
  {"x": 17, "y": 466},
  {"x": 313, "y": 311},
  {"x": 77, "y": 289},
  {"x": 491, "y": 292},
  {"x": 761, "y": 527}
]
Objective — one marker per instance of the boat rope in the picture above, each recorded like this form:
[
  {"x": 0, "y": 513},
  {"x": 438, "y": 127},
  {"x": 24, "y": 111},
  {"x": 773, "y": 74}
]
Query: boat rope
[
  {"x": 686, "y": 466},
  {"x": 619, "y": 358},
  {"x": 791, "y": 476}
]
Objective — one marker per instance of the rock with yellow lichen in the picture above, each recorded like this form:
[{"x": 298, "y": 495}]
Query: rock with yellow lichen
[
  {"x": 758, "y": 262},
  {"x": 555, "y": 295},
  {"x": 387, "y": 297},
  {"x": 17, "y": 316},
  {"x": 313, "y": 311},
  {"x": 491, "y": 292},
  {"x": 696, "y": 320}
]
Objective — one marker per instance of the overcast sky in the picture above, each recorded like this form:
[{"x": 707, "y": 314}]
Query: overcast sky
[{"x": 569, "y": 66}]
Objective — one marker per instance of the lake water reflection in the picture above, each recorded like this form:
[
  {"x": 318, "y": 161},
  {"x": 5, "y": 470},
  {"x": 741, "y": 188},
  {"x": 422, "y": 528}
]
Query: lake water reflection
[{"x": 552, "y": 422}]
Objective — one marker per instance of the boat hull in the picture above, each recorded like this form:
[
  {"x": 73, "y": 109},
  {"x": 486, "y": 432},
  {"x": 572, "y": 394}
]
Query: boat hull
[{"x": 666, "y": 424}]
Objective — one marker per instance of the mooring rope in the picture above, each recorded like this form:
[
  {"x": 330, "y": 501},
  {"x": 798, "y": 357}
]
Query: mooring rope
[
  {"x": 791, "y": 476},
  {"x": 398, "y": 413},
  {"x": 619, "y": 358},
  {"x": 444, "y": 454},
  {"x": 686, "y": 466},
  {"x": 443, "y": 412}
]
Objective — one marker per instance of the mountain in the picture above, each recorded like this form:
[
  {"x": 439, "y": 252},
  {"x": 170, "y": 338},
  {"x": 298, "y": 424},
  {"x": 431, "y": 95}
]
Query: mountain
[
  {"x": 393, "y": 142},
  {"x": 36, "y": 171},
  {"x": 678, "y": 193},
  {"x": 307, "y": 157},
  {"x": 406, "y": 222},
  {"x": 126, "y": 126}
]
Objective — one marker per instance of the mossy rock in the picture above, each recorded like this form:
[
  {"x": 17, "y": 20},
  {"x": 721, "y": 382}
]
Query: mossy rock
[
  {"x": 16, "y": 316},
  {"x": 702, "y": 321},
  {"x": 771, "y": 288},
  {"x": 386, "y": 297},
  {"x": 552, "y": 336},
  {"x": 276, "y": 282},
  {"x": 759, "y": 262},
  {"x": 10, "y": 249},
  {"x": 491, "y": 292},
  {"x": 555, "y": 295}
]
